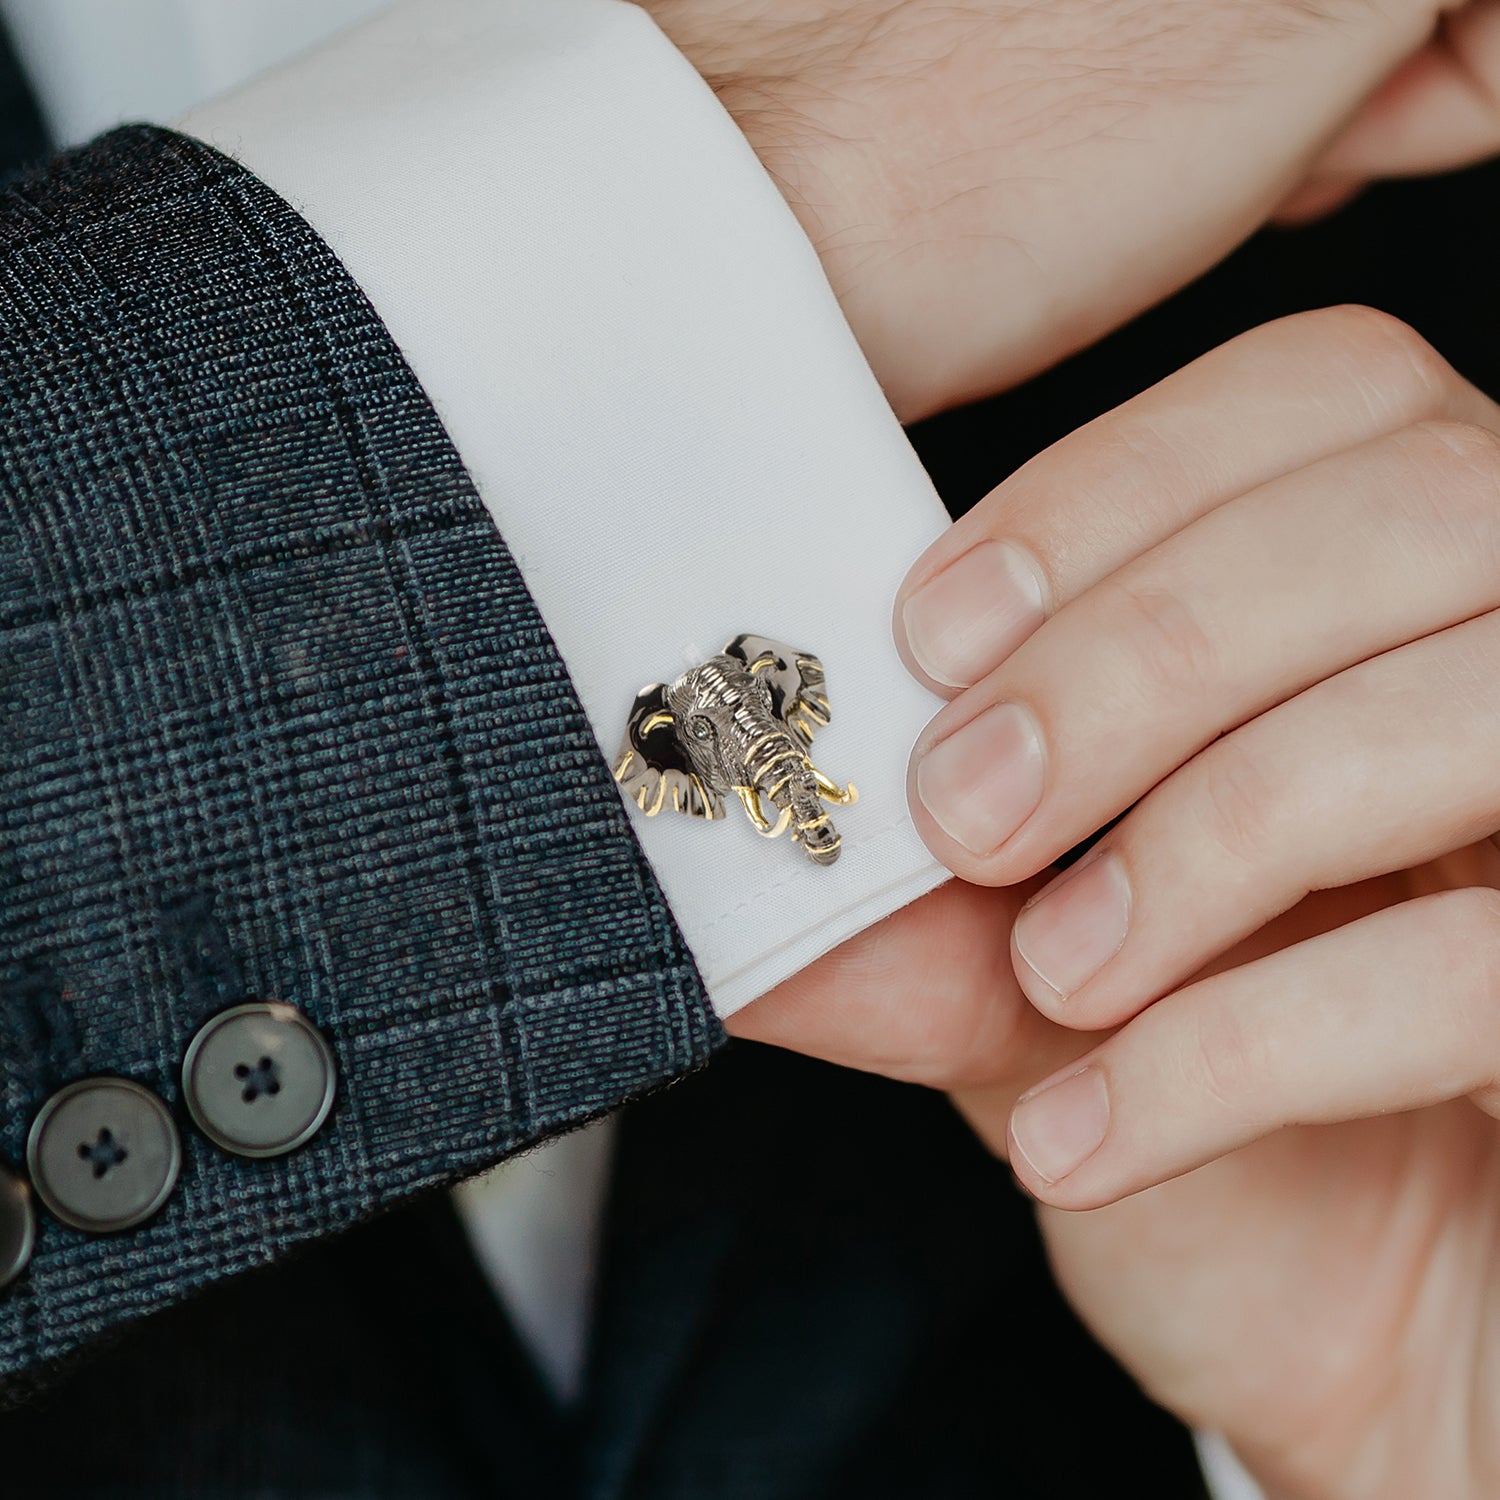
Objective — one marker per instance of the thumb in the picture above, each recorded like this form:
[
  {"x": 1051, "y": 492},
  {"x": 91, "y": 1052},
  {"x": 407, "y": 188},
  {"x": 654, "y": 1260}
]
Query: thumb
[{"x": 928, "y": 996}]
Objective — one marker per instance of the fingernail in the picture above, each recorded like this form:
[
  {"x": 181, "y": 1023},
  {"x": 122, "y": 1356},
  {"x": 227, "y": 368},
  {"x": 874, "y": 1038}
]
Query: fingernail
[
  {"x": 963, "y": 623},
  {"x": 983, "y": 781},
  {"x": 1057, "y": 1130},
  {"x": 1072, "y": 930}
]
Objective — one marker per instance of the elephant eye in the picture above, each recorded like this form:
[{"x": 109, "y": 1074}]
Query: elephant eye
[{"x": 700, "y": 728}]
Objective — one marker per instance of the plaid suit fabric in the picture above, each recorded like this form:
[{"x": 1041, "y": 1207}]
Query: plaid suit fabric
[{"x": 279, "y": 721}]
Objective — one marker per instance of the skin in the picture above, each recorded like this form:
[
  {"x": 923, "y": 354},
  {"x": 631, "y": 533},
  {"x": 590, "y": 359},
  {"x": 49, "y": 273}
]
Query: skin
[
  {"x": 994, "y": 183},
  {"x": 1282, "y": 663},
  {"x": 1297, "y": 1251}
]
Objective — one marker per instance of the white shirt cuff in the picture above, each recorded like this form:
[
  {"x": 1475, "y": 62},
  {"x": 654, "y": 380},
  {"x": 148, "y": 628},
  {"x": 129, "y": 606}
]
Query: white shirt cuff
[
  {"x": 1226, "y": 1476},
  {"x": 633, "y": 347}
]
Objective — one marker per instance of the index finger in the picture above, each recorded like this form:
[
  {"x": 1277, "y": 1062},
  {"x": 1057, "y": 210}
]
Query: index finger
[{"x": 1266, "y": 404}]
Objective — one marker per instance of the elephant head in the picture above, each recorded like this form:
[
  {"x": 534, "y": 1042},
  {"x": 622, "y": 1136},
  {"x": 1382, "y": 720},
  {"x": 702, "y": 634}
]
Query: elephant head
[{"x": 743, "y": 723}]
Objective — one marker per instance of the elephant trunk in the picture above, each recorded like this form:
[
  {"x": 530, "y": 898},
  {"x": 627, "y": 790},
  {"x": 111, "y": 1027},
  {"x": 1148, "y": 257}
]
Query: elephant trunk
[{"x": 779, "y": 770}]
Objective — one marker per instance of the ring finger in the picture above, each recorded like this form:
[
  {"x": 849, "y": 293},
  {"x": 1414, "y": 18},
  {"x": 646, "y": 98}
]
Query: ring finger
[{"x": 1380, "y": 768}]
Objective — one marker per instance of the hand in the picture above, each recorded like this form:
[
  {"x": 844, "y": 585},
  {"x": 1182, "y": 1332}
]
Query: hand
[
  {"x": 1441, "y": 109},
  {"x": 1256, "y": 610},
  {"x": 994, "y": 184}
]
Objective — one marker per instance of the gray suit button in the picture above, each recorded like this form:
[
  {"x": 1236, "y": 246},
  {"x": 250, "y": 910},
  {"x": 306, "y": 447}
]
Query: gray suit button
[
  {"x": 17, "y": 1226},
  {"x": 259, "y": 1079},
  {"x": 104, "y": 1154}
]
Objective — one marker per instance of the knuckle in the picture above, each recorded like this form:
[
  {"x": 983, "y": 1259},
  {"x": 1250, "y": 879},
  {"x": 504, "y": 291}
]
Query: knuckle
[
  {"x": 1238, "y": 802},
  {"x": 1461, "y": 451},
  {"x": 1370, "y": 327},
  {"x": 1390, "y": 361},
  {"x": 1453, "y": 502},
  {"x": 1226, "y": 1057},
  {"x": 1447, "y": 505},
  {"x": 1465, "y": 964},
  {"x": 1168, "y": 648},
  {"x": 1459, "y": 933},
  {"x": 1468, "y": 957}
]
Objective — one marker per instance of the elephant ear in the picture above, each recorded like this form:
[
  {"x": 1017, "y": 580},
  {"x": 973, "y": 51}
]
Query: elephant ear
[
  {"x": 798, "y": 695},
  {"x": 653, "y": 769}
]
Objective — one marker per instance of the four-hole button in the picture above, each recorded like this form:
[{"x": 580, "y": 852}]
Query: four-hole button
[
  {"x": 259, "y": 1079},
  {"x": 104, "y": 1154}
]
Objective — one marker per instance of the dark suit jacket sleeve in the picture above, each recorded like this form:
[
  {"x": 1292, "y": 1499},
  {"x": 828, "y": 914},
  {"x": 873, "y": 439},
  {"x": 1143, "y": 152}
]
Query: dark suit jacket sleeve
[{"x": 279, "y": 721}]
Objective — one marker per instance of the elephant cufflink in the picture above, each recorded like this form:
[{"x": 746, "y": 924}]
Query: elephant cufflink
[{"x": 743, "y": 722}]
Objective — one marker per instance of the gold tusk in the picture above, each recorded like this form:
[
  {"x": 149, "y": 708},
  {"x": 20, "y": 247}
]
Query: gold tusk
[
  {"x": 831, "y": 791},
  {"x": 750, "y": 800}
]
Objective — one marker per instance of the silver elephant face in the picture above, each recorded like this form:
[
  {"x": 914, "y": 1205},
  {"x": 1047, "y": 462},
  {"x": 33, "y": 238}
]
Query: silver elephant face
[
  {"x": 721, "y": 710},
  {"x": 741, "y": 724}
]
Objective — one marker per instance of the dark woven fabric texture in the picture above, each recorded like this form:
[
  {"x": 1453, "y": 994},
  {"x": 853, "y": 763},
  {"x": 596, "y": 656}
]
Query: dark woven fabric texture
[
  {"x": 837, "y": 1297},
  {"x": 279, "y": 721}
]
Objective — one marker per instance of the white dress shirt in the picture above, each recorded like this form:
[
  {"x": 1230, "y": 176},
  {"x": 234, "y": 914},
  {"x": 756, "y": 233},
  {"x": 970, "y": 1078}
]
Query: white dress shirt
[{"x": 634, "y": 349}]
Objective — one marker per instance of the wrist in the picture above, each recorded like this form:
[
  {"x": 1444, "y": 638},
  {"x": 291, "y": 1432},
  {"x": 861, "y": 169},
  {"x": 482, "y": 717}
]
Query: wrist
[
  {"x": 845, "y": 205},
  {"x": 994, "y": 187},
  {"x": 820, "y": 149}
]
